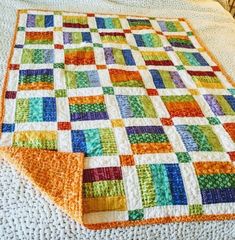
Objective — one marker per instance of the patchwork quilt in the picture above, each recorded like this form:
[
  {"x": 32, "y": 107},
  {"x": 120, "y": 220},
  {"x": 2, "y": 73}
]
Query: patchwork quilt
[{"x": 120, "y": 120}]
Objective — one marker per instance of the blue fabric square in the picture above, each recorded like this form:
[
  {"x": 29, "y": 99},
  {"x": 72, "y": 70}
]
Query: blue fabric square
[
  {"x": 49, "y": 21},
  {"x": 129, "y": 60},
  {"x": 78, "y": 141},
  {"x": 200, "y": 59},
  {"x": 86, "y": 37},
  {"x": 8, "y": 127},
  {"x": 49, "y": 109},
  {"x": 176, "y": 184},
  {"x": 100, "y": 22},
  {"x": 231, "y": 101},
  {"x": 157, "y": 79},
  {"x": 139, "y": 40}
]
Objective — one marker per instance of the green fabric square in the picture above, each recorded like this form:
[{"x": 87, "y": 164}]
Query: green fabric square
[
  {"x": 137, "y": 214},
  {"x": 180, "y": 67},
  {"x": 190, "y": 33},
  {"x": 183, "y": 157},
  {"x": 196, "y": 209},
  {"x": 232, "y": 91},
  {"x": 94, "y": 30},
  {"x": 22, "y": 110},
  {"x": 60, "y": 93},
  {"x": 213, "y": 120},
  {"x": 135, "y": 48},
  {"x": 108, "y": 90},
  {"x": 97, "y": 45},
  {"x": 58, "y": 65},
  {"x": 58, "y": 13},
  {"x": 21, "y": 28}
]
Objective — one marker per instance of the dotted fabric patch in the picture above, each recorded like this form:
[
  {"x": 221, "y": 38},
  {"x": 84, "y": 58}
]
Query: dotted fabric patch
[{"x": 141, "y": 97}]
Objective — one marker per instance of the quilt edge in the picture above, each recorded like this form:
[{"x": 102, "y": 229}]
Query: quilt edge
[{"x": 76, "y": 213}]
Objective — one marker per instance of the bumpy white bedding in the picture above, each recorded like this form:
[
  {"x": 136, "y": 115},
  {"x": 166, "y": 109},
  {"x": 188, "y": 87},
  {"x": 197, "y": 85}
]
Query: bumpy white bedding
[{"x": 24, "y": 212}]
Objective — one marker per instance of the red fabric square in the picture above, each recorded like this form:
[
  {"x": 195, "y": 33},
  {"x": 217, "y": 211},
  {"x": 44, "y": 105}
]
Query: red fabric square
[
  {"x": 14, "y": 67},
  {"x": 232, "y": 155},
  {"x": 152, "y": 92},
  {"x": 90, "y": 14},
  {"x": 58, "y": 46},
  {"x": 215, "y": 68},
  {"x": 64, "y": 126},
  {"x": 127, "y": 31}
]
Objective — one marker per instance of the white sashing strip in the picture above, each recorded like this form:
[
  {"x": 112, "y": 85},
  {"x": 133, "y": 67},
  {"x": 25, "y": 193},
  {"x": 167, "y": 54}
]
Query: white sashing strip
[
  {"x": 64, "y": 141},
  {"x": 122, "y": 141},
  {"x": 132, "y": 189},
  {"x": 191, "y": 184},
  {"x": 159, "y": 158},
  {"x": 209, "y": 156},
  {"x": 104, "y": 161}
]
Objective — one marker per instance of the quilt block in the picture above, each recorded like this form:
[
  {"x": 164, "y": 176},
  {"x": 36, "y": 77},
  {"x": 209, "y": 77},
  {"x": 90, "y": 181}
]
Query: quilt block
[{"x": 149, "y": 107}]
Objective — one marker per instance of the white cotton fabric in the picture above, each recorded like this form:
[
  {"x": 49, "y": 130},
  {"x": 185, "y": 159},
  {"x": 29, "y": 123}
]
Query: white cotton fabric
[{"x": 24, "y": 212}]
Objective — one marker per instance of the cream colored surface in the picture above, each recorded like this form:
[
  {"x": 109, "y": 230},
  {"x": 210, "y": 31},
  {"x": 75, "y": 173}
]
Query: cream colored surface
[{"x": 24, "y": 213}]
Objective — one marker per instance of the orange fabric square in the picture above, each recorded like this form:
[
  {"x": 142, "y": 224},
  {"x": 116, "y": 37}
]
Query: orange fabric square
[
  {"x": 64, "y": 126},
  {"x": 152, "y": 92},
  {"x": 184, "y": 109},
  {"x": 117, "y": 123},
  {"x": 101, "y": 66},
  {"x": 230, "y": 128},
  {"x": 167, "y": 122},
  {"x": 159, "y": 33},
  {"x": 144, "y": 148},
  {"x": 127, "y": 160},
  {"x": 77, "y": 57}
]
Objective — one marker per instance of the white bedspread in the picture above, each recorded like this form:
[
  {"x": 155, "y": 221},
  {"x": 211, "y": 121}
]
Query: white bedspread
[{"x": 24, "y": 212}]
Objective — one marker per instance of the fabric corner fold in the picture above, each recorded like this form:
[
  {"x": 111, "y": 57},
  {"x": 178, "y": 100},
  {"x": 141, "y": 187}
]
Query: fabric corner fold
[{"x": 58, "y": 175}]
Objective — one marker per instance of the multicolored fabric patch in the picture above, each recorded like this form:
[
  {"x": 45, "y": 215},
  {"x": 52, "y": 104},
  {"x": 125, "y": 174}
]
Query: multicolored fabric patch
[
  {"x": 87, "y": 108},
  {"x": 152, "y": 112},
  {"x": 36, "y": 79},
  {"x": 119, "y": 56},
  {"x": 82, "y": 79},
  {"x": 148, "y": 139}
]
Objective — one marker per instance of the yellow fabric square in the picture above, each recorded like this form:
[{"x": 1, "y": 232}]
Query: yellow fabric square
[
  {"x": 193, "y": 91},
  {"x": 117, "y": 123},
  {"x": 58, "y": 29},
  {"x": 142, "y": 67}
]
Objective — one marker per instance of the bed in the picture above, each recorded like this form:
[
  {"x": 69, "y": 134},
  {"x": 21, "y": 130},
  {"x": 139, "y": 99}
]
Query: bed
[{"x": 24, "y": 212}]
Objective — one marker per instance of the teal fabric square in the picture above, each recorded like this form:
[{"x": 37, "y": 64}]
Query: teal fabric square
[
  {"x": 137, "y": 214},
  {"x": 36, "y": 110}
]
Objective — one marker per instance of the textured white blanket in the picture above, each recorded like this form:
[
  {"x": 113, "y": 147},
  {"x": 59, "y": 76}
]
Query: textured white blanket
[{"x": 24, "y": 213}]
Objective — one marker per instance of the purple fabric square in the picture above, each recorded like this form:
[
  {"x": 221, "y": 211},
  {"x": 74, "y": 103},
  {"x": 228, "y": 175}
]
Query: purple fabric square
[{"x": 10, "y": 94}]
